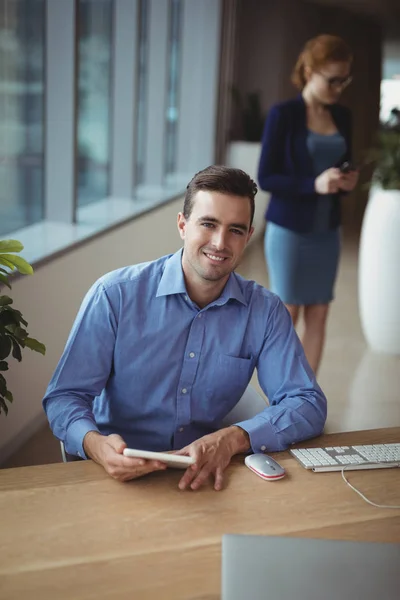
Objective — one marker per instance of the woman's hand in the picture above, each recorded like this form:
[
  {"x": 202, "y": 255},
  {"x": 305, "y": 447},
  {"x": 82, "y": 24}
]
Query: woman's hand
[
  {"x": 329, "y": 182},
  {"x": 349, "y": 181}
]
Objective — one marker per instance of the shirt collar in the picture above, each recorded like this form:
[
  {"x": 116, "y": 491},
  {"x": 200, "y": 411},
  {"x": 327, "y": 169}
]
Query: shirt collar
[{"x": 173, "y": 282}]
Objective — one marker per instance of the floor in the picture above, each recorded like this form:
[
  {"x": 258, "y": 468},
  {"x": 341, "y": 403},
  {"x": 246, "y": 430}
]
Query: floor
[{"x": 362, "y": 387}]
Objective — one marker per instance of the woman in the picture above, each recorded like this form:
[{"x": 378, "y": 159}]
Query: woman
[{"x": 305, "y": 141}]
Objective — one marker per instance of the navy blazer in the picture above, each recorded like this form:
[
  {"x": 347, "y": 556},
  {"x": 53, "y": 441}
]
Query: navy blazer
[{"x": 286, "y": 168}]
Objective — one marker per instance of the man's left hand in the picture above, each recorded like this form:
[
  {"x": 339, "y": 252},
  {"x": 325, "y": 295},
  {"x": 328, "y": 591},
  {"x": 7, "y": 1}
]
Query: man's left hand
[{"x": 212, "y": 454}]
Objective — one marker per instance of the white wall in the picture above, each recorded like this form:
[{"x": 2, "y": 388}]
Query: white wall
[{"x": 50, "y": 299}]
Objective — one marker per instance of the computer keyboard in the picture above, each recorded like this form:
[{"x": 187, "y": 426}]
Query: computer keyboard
[{"x": 334, "y": 458}]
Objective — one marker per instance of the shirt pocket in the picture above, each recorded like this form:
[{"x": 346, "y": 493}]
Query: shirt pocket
[{"x": 226, "y": 382}]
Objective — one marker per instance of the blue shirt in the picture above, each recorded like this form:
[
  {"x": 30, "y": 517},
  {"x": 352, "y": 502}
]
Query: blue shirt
[
  {"x": 142, "y": 360},
  {"x": 325, "y": 151}
]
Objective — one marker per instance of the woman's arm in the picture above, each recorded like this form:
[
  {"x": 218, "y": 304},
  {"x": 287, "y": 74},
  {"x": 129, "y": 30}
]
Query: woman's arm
[{"x": 271, "y": 171}]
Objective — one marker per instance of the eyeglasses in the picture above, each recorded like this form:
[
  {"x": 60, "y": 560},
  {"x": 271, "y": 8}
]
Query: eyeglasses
[{"x": 335, "y": 82}]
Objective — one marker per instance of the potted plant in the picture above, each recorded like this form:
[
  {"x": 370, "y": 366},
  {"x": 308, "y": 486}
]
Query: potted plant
[
  {"x": 243, "y": 152},
  {"x": 13, "y": 334},
  {"x": 379, "y": 258}
]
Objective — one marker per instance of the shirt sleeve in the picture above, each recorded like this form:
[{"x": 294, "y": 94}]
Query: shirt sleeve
[
  {"x": 297, "y": 406},
  {"x": 82, "y": 372},
  {"x": 272, "y": 174}
]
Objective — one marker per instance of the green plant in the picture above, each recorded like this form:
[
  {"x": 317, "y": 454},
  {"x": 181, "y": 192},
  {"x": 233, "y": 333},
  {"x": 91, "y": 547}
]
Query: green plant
[
  {"x": 385, "y": 156},
  {"x": 13, "y": 335},
  {"x": 252, "y": 117}
]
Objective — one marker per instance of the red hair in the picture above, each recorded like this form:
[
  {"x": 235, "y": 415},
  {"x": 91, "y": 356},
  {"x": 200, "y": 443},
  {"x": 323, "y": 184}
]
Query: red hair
[{"x": 318, "y": 52}]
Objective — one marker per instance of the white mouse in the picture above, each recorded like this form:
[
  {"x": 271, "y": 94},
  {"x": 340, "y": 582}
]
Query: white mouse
[{"x": 264, "y": 466}]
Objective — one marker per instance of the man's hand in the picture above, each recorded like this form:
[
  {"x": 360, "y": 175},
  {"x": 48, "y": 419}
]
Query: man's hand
[
  {"x": 213, "y": 454},
  {"x": 107, "y": 452}
]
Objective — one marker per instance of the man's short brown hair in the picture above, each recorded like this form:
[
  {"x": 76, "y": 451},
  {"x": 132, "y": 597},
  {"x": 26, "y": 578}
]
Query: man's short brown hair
[{"x": 224, "y": 180}]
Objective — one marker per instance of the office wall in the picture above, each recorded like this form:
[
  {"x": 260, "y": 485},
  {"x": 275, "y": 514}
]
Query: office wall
[
  {"x": 51, "y": 297},
  {"x": 269, "y": 37}
]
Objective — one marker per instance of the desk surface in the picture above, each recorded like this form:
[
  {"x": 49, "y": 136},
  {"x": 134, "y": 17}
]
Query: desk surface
[{"x": 69, "y": 531}]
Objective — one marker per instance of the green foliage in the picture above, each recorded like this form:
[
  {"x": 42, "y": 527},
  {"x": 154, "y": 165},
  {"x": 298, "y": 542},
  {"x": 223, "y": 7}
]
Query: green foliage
[
  {"x": 251, "y": 115},
  {"x": 385, "y": 156},
  {"x": 13, "y": 333}
]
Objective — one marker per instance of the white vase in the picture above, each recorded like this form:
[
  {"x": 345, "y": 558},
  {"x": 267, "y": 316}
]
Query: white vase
[
  {"x": 379, "y": 271},
  {"x": 246, "y": 156}
]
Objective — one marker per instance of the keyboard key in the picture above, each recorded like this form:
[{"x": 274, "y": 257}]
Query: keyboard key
[{"x": 359, "y": 456}]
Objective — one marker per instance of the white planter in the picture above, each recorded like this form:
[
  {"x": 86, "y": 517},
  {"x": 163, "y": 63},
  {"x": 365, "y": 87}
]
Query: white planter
[
  {"x": 379, "y": 271},
  {"x": 245, "y": 156}
]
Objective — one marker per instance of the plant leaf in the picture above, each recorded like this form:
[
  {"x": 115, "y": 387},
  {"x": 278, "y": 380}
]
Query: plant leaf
[
  {"x": 18, "y": 262},
  {"x": 16, "y": 315},
  {"x": 8, "y": 395},
  {"x": 17, "y": 332},
  {"x": 5, "y": 300},
  {"x": 3, "y": 405},
  {"x": 7, "y": 317},
  {"x": 3, "y": 279},
  {"x": 3, "y": 365},
  {"x": 3, "y": 385},
  {"x": 16, "y": 351},
  {"x": 35, "y": 345},
  {"x": 5, "y": 262},
  {"x": 10, "y": 246},
  {"x": 5, "y": 347}
]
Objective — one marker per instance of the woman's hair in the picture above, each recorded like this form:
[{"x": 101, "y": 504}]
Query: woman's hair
[{"x": 318, "y": 52}]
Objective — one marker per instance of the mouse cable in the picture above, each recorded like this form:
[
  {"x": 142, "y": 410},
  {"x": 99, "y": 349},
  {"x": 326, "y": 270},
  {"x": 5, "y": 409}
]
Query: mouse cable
[{"x": 364, "y": 497}]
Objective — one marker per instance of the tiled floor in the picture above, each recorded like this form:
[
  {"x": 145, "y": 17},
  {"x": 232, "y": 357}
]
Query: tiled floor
[{"x": 362, "y": 387}]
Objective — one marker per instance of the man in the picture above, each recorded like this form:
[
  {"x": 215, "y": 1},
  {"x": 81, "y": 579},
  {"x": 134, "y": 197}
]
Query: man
[{"x": 160, "y": 352}]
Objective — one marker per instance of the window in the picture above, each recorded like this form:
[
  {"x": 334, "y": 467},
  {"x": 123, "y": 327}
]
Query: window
[
  {"x": 107, "y": 108},
  {"x": 94, "y": 24},
  {"x": 21, "y": 113}
]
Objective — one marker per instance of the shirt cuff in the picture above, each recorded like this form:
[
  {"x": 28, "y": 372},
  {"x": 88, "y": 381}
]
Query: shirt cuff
[
  {"x": 75, "y": 434},
  {"x": 262, "y": 435}
]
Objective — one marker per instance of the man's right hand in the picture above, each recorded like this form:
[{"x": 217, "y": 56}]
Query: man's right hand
[
  {"x": 108, "y": 452},
  {"x": 329, "y": 182}
]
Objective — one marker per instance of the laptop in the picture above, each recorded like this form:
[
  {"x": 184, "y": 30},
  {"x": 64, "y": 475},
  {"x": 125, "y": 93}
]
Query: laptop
[{"x": 284, "y": 568}]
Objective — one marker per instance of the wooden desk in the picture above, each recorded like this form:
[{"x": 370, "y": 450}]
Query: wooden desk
[{"x": 68, "y": 531}]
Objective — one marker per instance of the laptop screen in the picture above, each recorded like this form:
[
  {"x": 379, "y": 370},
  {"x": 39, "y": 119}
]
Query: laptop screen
[{"x": 284, "y": 568}]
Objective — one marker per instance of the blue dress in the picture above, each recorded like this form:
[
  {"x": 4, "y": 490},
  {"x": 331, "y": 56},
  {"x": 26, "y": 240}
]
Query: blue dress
[{"x": 302, "y": 266}]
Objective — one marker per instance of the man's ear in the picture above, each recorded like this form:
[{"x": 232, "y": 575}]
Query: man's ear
[{"x": 181, "y": 225}]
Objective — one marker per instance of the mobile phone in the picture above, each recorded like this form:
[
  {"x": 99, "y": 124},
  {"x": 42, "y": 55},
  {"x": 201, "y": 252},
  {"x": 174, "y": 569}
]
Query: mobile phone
[
  {"x": 172, "y": 460},
  {"x": 347, "y": 167}
]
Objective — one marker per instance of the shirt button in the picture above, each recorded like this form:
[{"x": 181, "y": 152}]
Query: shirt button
[
  {"x": 184, "y": 390},
  {"x": 199, "y": 316},
  {"x": 192, "y": 355},
  {"x": 180, "y": 429},
  {"x": 263, "y": 448},
  {"x": 186, "y": 298}
]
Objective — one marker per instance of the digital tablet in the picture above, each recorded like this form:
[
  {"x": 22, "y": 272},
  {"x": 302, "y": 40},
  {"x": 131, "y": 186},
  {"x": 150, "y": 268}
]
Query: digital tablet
[{"x": 172, "y": 460}]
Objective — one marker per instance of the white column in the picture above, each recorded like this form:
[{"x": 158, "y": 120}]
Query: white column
[
  {"x": 60, "y": 111},
  {"x": 123, "y": 97},
  {"x": 157, "y": 89},
  {"x": 198, "y": 94}
]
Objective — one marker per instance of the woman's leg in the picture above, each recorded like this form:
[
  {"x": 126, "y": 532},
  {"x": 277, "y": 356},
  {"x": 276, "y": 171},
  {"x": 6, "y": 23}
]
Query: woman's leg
[
  {"x": 294, "y": 310},
  {"x": 315, "y": 317}
]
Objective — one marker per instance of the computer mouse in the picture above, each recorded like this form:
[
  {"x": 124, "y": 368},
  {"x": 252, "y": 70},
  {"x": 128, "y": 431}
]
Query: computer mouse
[{"x": 264, "y": 466}]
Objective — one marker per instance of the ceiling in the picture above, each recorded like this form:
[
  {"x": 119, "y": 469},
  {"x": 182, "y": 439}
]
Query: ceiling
[{"x": 387, "y": 10}]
